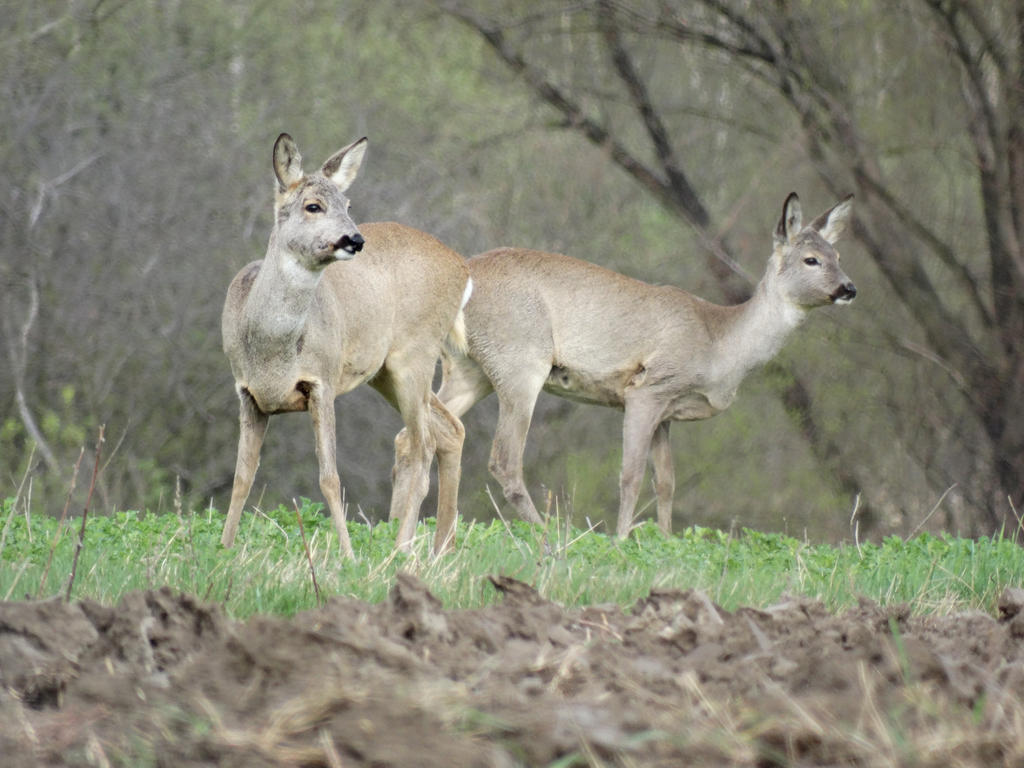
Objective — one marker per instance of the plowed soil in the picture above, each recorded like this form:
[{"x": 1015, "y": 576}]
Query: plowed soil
[{"x": 162, "y": 679}]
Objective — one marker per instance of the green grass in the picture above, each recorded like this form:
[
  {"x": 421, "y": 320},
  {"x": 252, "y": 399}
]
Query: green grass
[{"x": 267, "y": 570}]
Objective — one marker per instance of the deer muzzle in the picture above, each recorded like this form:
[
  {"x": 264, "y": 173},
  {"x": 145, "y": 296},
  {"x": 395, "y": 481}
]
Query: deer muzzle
[
  {"x": 844, "y": 294},
  {"x": 350, "y": 244}
]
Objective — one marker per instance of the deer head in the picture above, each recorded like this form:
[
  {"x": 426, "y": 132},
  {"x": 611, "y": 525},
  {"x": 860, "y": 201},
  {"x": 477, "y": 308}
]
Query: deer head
[
  {"x": 806, "y": 262},
  {"x": 311, "y": 213}
]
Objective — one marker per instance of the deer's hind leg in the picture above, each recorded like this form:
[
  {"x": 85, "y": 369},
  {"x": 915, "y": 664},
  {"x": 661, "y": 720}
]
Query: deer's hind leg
[
  {"x": 407, "y": 387},
  {"x": 517, "y": 397},
  {"x": 449, "y": 435},
  {"x": 664, "y": 475}
]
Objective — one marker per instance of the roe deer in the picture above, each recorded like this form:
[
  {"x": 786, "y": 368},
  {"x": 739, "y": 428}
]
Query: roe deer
[
  {"x": 546, "y": 321},
  {"x": 312, "y": 320}
]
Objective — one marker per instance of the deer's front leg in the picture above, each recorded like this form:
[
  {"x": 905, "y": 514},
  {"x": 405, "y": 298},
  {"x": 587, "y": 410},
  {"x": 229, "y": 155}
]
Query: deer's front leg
[
  {"x": 639, "y": 421},
  {"x": 252, "y": 427},
  {"x": 321, "y": 408}
]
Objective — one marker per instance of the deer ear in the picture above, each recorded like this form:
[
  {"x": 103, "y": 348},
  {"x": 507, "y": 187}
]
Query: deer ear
[
  {"x": 832, "y": 224},
  {"x": 343, "y": 166},
  {"x": 791, "y": 222},
  {"x": 287, "y": 161}
]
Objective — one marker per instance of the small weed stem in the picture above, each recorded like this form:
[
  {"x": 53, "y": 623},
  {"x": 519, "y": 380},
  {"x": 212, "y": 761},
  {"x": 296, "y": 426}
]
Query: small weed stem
[{"x": 60, "y": 523}]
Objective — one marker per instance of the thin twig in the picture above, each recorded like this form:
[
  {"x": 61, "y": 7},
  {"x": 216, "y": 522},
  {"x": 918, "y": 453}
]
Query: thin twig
[
  {"x": 60, "y": 523},
  {"x": 937, "y": 505},
  {"x": 309, "y": 558},
  {"x": 113, "y": 453},
  {"x": 85, "y": 513}
]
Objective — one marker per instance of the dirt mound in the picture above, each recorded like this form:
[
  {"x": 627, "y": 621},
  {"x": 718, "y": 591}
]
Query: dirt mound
[{"x": 163, "y": 679}]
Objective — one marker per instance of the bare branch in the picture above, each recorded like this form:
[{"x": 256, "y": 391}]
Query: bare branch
[
  {"x": 572, "y": 112},
  {"x": 17, "y": 353},
  {"x": 971, "y": 63},
  {"x": 995, "y": 156},
  {"x": 46, "y": 187},
  {"x": 990, "y": 40},
  {"x": 652, "y": 121},
  {"x": 675, "y": 194},
  {"x": 747, "y": 45}
]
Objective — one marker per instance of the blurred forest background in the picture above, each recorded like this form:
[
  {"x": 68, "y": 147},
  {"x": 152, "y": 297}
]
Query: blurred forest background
[{"x": 657, "y": 138}]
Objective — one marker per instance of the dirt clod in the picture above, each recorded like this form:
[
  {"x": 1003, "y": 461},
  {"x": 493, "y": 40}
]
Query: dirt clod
[{"x": 1011, "y": 602}]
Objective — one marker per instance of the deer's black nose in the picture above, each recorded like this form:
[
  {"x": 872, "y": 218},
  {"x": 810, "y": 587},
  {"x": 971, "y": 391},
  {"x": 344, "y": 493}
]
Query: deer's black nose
[
  {"x": 350, "y": 243},
  {"x": 845, "y": 293}
]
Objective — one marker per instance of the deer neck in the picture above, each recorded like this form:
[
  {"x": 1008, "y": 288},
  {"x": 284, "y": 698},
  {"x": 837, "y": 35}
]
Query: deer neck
[
  {"x": 756, "y": 330},
  {"x": 281, "y": 298}
]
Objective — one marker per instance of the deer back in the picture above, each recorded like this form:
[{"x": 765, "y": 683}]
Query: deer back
[{"x": 596, "y": 328}]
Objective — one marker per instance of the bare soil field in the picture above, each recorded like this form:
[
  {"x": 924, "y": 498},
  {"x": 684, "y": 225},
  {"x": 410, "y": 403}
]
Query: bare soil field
[{"x": 162, "y": 679}]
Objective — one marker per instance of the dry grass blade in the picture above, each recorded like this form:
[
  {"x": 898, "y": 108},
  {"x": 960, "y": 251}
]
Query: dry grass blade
[
  {"x": 85, "y": 513},
  {"x": 309, "y": 558},
  {"x": 330, "y": 750}
]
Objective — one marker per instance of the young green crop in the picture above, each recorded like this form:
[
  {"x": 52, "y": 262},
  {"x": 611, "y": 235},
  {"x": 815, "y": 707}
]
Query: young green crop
[{"x": 268, "y": 571}]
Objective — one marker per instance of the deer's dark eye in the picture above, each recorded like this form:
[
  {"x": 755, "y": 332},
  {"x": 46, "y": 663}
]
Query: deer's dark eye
[
  {"x": 810, "y": 261},
  {"x": 314, "y": 208}
]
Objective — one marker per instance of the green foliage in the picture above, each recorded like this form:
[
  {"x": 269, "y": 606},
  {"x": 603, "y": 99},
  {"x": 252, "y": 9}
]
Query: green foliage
[{"x": 268, "y": 571}]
